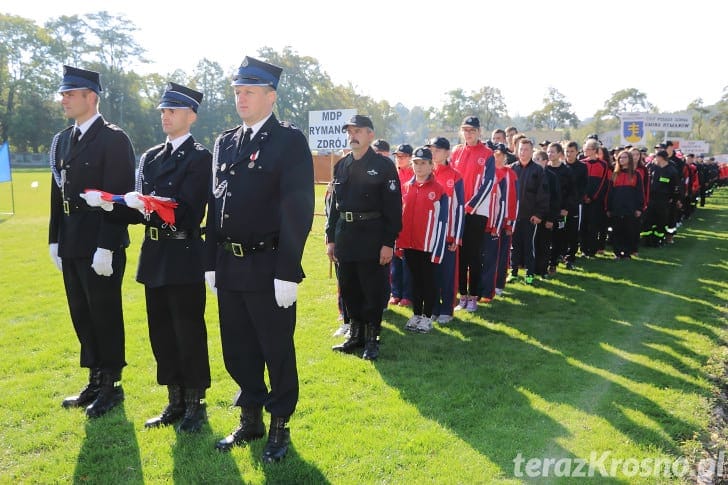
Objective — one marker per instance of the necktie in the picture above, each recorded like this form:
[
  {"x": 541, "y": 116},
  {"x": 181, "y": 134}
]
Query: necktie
[
  {"x": 245, "y": 140},
  {"x": 75, "y": 135},
  {"x": 167, "y": 151}
]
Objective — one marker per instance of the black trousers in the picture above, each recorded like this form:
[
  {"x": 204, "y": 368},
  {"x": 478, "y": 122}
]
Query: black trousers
[
  {"x": 623, "y": 230},
  {"x": 177, "y": 332},
  {"x": 256, "y": 333},
  {"x": 592, "y": 223},
  {"x": 542, "y": 248},
  {"x": 95, "y": 305},
  {"x": 470, "y": 264},
  {"x": 573, "y": 229},
  {"x": 423, "y": 281},
  {"x": 523, "y": 246},
  {"x": 363, "y": 287}
]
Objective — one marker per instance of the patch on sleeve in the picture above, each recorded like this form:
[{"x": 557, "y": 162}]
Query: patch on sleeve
[{"x": 392, "y": 185}]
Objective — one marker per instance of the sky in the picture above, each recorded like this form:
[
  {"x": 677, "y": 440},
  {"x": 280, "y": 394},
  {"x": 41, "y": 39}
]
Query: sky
[{"x": 414, "y": 53}]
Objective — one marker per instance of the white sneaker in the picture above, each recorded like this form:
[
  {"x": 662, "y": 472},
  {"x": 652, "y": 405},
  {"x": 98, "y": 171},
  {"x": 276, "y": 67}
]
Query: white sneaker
[
  {"x": 412, "y": 323},
  {"x": 444, "y": 319},
  {"x": 424, "y": 325},
  {"x": 342, "y": 330},
  {"x": 499, "y": 291},
  {"x": 462, "y": 304},
  {"x": 434, "y": 317}
]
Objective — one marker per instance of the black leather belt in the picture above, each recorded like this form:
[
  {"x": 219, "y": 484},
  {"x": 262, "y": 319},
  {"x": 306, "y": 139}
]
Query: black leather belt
[
  {"x": 155, "y": 233},
  {"x": 71, "y": 207},
  {"x": 241, "y": 250},
  {"x": 360, "y": 216}
]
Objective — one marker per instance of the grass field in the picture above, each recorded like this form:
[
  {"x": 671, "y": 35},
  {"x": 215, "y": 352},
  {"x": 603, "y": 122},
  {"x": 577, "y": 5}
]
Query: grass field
[{"x": 613, "y": 363}]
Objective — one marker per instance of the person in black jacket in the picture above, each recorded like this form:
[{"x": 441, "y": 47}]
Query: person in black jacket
[
  {"x": 171, "y": 260},
  {"x": 625, "y": 200},
  {"x": 545, "y": 233},
  {"x": 259, "y": 216},
  {"x": 574, "y": 220},
  {"x": 362, "y": 226},
  {"x": 593, "y": 201},
  {"x": 533, "y": 207},
  {"x": 568, "y": 203},
  {"x": 664, "y": 189},
  {"x": 88, "y": 244}
]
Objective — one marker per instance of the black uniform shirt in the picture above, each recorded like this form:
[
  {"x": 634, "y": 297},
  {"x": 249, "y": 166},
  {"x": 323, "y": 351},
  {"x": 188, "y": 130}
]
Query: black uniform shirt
[{"x": 367, "y": 185}]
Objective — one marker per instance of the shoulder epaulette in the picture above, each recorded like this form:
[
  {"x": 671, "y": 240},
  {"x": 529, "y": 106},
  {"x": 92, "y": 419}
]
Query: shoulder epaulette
[{"x": 288, "y": 124}]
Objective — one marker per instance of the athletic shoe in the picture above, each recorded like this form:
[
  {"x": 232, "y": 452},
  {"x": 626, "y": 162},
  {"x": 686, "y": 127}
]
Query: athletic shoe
[
  {"x": 472, "y": 305},
  {"x": 552, "y": 270},
  {"x": 498, "y": 291},
  {"x": 342, "y": 330},
  {"x": 434, "y": 317},
  {"x": 529, "y": 279},
  {"x": 405, "y": 302},
  {"x": 485, "y": 299},
  {"x": 444, "y": 319},
  {"x": 424, "y": 325},
  {"x": 394, "y": 300},
  {"x": 411, "y": 324},
  {"x": 462, "y": 304}
]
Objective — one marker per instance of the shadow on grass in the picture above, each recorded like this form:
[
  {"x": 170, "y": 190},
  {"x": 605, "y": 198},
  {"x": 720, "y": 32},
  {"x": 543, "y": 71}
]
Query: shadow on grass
[
  {"x": 607, "y": 347},
  {"x": 191, "y": 450},
  {"x": 109, "y": 453}
]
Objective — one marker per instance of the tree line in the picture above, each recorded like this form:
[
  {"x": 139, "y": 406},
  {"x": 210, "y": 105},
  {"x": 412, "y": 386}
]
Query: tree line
[{"x": 32, "y": 55}]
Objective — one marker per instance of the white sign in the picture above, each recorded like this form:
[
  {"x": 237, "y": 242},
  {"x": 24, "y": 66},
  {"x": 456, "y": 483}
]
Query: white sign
[
  {"x": 635, "y": 126},
  {"x": 694, "y": 146},
  {"x": 667, "y": 122},
  {"x": 325, "y": 129}
]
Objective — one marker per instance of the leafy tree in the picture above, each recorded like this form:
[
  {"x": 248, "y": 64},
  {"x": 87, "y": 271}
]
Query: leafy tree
[
  {"x": 625, "y": 101},
  {"x": 556, "y": 112}
]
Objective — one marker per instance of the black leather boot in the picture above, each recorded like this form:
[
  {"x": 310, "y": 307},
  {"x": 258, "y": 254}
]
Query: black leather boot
[
  {"x": 279, "y": 437},
  {"x": 173, "y": 412},
  {"x": 110, "y": 395},
  {"x": 371, "y": 349},
  {"x": 251, "y": 428},
  {"x": 88, "y": 394},
  {"x": 195, "y": 411},
  {"x": 355, "y": 340}
]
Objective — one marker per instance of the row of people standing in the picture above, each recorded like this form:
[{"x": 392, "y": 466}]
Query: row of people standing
[{"x": 250, "y": 258}]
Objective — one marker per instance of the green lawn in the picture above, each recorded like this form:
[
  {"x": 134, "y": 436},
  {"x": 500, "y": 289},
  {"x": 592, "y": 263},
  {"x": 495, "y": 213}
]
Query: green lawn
[{"x": 614, "y": 361}]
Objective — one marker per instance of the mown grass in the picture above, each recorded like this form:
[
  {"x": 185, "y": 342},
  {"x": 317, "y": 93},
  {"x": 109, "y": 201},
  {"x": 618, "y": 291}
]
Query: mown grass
[{"x": 610, "y": 357}]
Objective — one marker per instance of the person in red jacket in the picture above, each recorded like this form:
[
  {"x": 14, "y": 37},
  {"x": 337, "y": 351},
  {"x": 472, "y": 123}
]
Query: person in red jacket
[
  {"x": 399, "y": 276},
  {"x": 502, "y": 214},
  {"x": 423, "y": 236},
  {"x": 474, "y": 161},
  {"x": 452, "y": 182}
]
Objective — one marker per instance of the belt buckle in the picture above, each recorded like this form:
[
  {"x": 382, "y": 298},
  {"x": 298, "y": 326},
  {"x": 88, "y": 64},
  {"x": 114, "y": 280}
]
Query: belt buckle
[
  {"x": 237, "y": 249},
  {"x": 153, "y": 233},
  {"x": 66, "y": 207},
  {"x": 349, "y": 216}
]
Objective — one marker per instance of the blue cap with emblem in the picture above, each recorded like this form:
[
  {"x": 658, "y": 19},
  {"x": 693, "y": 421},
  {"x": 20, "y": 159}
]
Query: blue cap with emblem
[
  {"x": 253, "y": 72},
  {"x": 177, "y": 96},
  {"x": 422, "y": 153},
  {"x": 75, "y": 78}
]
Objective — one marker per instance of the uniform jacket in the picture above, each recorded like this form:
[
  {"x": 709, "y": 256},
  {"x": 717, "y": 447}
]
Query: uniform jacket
[
  {"x": 184, "y": 177},
  {"x": 103, "y": 159},
  {"x": 262, "y": 193},
  {"x": 424, "y": 218},
  {"x": 664, "y": 183},
  {"x": 580, "y": 175},
  {"x": 625, "y": 194},
  {"x": 596, "y": 184},
  {"x": 555, "y": 204},
  {"x": 477, "y": 167},
  {"x": 533, "y": 190},
  {"x": 370, "y": 184},
  {"x": 452, "y": 182},
  {"x": 503, "y": 201},
  {"x": 569, "y": 199},
  {"x": 405, "y": 174}
]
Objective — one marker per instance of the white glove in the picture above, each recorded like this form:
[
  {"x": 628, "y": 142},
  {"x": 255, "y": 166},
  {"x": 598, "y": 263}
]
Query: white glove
[
  {"x": 285, "y": 292},
  {"x": 210, "y": 279},
  {"x": 132, "y": 200},
  {"x": 53, "y": 249},
  {"x": 93, "y": 199},
  {"x": 102, "y": 262}
]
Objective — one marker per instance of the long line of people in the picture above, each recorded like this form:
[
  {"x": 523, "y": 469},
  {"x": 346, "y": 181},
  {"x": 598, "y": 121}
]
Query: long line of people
[{"x": 471, "y": 214}]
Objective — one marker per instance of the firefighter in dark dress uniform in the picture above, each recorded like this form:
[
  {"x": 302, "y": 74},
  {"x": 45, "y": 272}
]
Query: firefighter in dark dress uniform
[
  {"x": 88, "y": 244},
  {"x": 361, "y": 229},
  {"x": 171, "y": 261},
  {"x": 259, "y": 216}
]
